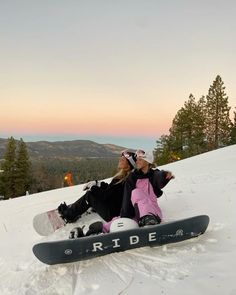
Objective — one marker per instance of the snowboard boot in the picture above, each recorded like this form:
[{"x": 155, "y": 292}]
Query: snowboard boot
[
  {"x": 95, "y": 228},
  {"x": 149, "y": 220},
  {"x": 66, "y": 213},
  {"x": 74, "y": 211}
]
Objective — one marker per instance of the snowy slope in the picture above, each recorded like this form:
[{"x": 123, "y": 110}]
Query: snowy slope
[{"x": 204, "y": 184}]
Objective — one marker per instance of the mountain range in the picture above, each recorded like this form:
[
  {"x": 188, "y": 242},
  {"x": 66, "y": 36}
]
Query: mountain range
[{"x": 67, "y": 149}]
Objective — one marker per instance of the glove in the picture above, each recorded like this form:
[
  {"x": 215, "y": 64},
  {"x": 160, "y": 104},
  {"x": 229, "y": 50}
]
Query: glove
[
  {"x": 76, "y": 233},
  {"x": 169, "y": 175},
  {"x": 95, "y": 228},
  {"x": 92, "y": 183}
]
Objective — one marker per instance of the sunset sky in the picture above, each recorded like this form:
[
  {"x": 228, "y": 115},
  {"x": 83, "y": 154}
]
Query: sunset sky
[{"x": 110, "y": 71}]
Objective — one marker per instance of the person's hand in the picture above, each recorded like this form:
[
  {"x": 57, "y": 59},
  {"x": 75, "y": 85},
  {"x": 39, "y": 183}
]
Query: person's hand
[
  {"x": 169, "y": 175},
  {"x": 90, "y": 184}
]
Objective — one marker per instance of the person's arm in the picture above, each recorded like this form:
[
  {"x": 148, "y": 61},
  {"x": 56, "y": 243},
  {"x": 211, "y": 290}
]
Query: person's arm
[
  {"x": 127, "y": 209},
  {"x": 161, "y": 178},
  {"x": 107, "y": 191}
]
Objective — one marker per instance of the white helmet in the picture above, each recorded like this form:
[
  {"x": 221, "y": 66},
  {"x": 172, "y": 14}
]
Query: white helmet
[{"x": 123, "y": 223}]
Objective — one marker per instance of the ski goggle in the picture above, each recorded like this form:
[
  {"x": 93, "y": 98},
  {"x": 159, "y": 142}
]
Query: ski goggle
[
  {"x": 140, "y": 154},
  {"x": 146, "y": 156},
  {"x": 129, "y": 156}
]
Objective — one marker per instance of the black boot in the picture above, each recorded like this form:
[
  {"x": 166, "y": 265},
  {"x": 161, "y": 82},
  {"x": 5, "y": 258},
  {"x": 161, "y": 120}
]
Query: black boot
[
  {"x": 74, "y": 211},
  {"x": 66, "y": 213},
  {"x": 95, "y": 228},
  {"x": 149, "y": 220}
]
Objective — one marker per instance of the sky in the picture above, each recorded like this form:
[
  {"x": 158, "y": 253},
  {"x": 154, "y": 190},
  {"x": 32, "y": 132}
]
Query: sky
[
  {"x": 203, "y": 265},
  {"x": 109, "y": 71}
]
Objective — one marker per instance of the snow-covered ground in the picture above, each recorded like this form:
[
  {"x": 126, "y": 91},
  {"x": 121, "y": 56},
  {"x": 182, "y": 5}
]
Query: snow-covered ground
[{"x": 204, "y": 184}]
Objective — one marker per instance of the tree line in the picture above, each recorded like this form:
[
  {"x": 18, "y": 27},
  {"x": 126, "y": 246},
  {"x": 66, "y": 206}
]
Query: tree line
[
  {"x": 199, "y": 126},
  {"x": 21, "y": 175},
  {"x": 52, "y": 173}
]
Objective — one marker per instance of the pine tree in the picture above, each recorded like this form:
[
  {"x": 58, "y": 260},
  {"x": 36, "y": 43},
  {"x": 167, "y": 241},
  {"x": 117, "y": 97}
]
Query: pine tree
[
  {"x": 22, "y": 174},
  {"x": 218, "y": 120},
  {"x": 162, "y": 151},
  {"x": 187, "y": 133},
  {"x": 233, "y": 131},
  {"x": 9, "y": 168},
  {"x": 194, "y": 125}
]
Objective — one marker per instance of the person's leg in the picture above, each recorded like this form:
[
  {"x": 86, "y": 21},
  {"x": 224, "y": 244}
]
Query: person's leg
[
  {"x": 99, "y": 206},
  {"x": 146, "y": 208},
  {"x": 73, "y": 211}
]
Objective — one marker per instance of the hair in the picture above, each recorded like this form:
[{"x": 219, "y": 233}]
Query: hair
[
  {"x": 122, "y": 174},
  {"x": 153, "y": 166}
]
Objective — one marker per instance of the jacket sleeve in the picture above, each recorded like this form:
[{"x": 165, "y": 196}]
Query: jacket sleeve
[
  {"x": 159, "y": 178},
  {"x": 127, "y": 209},
  {"x": 107, "y": 191},
  {"x": 159, "y": 181}
]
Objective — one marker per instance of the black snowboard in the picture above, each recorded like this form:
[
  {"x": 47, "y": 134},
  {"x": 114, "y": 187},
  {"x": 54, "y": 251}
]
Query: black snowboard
[{"x": 88, "y": 247}]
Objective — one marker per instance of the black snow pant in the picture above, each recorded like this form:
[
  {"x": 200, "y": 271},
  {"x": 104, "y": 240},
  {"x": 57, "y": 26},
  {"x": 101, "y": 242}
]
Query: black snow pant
[{"x": 89, "y": 201}]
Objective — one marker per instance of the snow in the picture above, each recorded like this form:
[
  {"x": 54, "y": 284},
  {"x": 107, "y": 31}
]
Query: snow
[{"x": 204, "y": 184}]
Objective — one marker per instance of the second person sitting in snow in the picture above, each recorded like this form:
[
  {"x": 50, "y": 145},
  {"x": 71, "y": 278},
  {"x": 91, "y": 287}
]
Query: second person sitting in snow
[{"x": 142, "y": 188}]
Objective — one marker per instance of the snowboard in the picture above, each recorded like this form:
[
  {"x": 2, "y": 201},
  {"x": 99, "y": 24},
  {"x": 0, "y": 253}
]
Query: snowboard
[
  {"x": 65, "y": 251},
  {"x": 48, "y": 222}
]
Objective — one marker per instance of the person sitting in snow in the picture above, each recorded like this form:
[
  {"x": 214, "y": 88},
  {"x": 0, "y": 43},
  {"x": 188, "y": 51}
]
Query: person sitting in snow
[
  {"x": 104, "y": 198},
  {"x": 141, "y": 190}
]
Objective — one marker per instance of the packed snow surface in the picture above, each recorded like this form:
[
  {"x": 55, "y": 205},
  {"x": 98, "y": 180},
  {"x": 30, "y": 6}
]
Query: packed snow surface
[{"x": 204, "y": 184}]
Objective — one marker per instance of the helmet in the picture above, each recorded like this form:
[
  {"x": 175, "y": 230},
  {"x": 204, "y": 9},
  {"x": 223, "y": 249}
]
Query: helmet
[{"x": 123, "y": 223}]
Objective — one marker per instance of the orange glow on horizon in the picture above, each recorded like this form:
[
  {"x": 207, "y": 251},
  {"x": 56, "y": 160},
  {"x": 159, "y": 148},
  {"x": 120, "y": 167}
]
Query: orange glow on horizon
[{"x": 148, "y": 127}]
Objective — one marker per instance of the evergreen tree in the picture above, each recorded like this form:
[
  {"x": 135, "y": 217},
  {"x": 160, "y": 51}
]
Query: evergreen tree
[
  {"x": 233, "y": 131},
  {"x": 199, "y": 139},
  {"x": 218, "y": 120},
  {"x": 187, "y": 133},
  {"x": 176, "y": 139},
  {"x": 193, "y": 124},
  {"x": 22, "y": 173},
  {"x": 8, "y": 167}
]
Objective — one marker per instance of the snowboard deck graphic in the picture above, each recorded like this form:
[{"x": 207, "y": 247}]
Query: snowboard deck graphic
[
  {"x": 48, "y": 222},
  {"x": 65, "y": 251}
]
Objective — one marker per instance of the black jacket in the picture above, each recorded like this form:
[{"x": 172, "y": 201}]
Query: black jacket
[
  {"x": 157, "y": 179},
  {"x": 108, "y": 197}
]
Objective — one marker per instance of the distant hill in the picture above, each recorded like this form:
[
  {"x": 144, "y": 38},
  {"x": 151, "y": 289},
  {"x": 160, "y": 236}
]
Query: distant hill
[{"x": 67, "y": 149}]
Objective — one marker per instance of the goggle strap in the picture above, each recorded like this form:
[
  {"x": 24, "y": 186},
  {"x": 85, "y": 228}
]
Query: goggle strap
[{"x": 132, "y": 162}]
